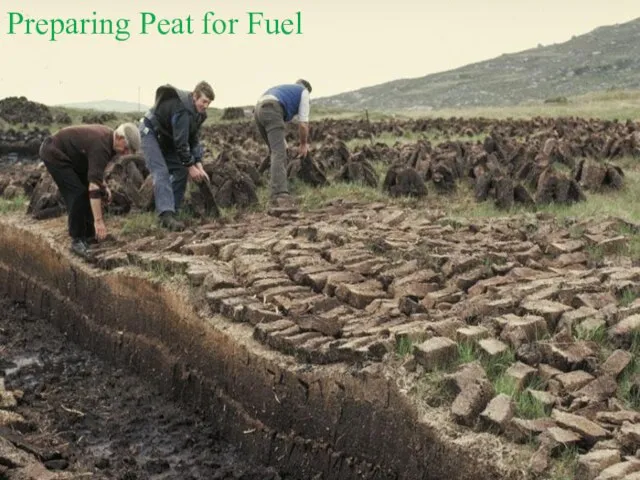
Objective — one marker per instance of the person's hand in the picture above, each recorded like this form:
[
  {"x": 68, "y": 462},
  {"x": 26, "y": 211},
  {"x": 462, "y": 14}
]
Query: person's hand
[
  {"x": 303, "y": 150},
  {"x": 197, "y": 174},
  {"x": 101, "y": 229},
  {"x": 206, "y": 177}
]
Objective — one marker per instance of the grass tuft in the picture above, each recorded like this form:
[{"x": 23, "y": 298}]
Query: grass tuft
[
  {"x": 629, "y": 382},
  {"x": 12, "y": 205},
  {"x": 566, "y": 466},
  {"x": 140, "y": 225}
]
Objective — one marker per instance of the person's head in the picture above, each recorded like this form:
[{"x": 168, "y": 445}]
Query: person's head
[
  {"x": 304, "y": 83},
  {"x": 202, "y": 96},
  {"x": 126, "y": 139}
]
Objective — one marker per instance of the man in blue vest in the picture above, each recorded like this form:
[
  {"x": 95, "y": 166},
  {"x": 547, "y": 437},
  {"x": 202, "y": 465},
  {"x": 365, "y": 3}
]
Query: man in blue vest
[
  {"x": 277, "y": 106},
  {"x": 170, "y": 142}
]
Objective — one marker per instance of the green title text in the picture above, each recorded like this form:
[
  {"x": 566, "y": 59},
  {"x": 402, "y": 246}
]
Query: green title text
[{"x": 148, "y": 23}]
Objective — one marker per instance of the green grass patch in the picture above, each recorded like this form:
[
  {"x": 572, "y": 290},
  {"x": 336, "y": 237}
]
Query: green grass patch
[
  {"x": 526, "y": 405},
  {"x": 627, "y": 297},
  {"x": 623, "y": 204},
  {"x": 434, "y": 388},
  {"x": 632, "y": 247},
  {"x": 321, "y": 113},
  {"x": 388, "y": 138},
  {"x": 404, "y": 346},
  {"x": 576, "y": 232},
  {"x": 466, "y": 353},
  {"x": 607, "y": 105},
  {"x": 596, "y": 335},
  {"x": 12, "y": 205},
  {"x": 311, "y": 198},
  {"x": 494, "y": 366},
  {"x": 566, "y": 466},
  {"x": 140, "y": 225},
  {"x": 393, "y": 139},
  {"x": 160, "y": 273},
  {"x": 595, "y": 254},
  {"x": 629, "y": 381}
]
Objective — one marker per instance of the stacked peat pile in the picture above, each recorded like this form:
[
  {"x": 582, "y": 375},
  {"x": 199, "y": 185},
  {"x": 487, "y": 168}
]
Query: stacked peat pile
[
  {"x": 23, "y": 143},
  {"x": 19, "y": 110},
  {"x": 530, "y": 162},
  {"x": 233, "y": 113}
]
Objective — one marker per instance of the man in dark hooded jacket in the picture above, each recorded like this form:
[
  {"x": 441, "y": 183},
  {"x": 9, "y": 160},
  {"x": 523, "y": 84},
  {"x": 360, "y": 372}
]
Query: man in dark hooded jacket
[{"x": 170, "y": 142}]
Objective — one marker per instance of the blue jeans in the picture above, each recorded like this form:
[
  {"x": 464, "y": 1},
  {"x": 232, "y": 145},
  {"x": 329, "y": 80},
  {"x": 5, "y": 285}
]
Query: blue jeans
[{"x": 169, "y": 175}]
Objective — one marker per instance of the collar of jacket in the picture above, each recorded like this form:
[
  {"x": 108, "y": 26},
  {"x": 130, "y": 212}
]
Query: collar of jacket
[{"x": 187, "y": 100}]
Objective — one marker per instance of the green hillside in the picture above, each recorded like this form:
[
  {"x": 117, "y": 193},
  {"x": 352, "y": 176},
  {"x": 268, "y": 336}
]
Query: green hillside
[{"x": 603, "y": 59}]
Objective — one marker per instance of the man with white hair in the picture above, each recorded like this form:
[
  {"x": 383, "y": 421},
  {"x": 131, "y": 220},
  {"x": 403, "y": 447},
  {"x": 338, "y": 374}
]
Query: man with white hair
[{"x": 76, "y": 158}]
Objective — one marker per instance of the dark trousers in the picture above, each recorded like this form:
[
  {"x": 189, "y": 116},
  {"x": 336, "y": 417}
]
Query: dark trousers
[
  {"x": 74, "y": 190},
  {"x": 269, "y": 117}
]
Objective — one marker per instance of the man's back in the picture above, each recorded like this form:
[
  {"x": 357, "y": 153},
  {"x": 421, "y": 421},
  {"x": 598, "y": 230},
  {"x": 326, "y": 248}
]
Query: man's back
[
  {"x": 173, "y": 104},
  {"x": 165, "y": 110},
  {"x": 290, "y": 96},
  {"x": 88, "y": 148}
]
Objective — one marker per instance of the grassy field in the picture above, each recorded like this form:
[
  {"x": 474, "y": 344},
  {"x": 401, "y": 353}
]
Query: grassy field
[
  {"x": 610, "y": 105},
  {"x": 77, "y": 114}
]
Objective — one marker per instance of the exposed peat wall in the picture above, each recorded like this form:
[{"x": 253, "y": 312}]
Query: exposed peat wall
[{"x": 304, "y": 420}]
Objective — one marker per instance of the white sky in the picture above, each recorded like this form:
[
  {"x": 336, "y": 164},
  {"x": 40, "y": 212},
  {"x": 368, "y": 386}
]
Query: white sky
[{"x": 344, "y": 45}]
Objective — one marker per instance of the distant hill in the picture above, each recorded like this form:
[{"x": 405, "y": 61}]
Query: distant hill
[
  {"x": 108, "y": 106},
  {"x": 605, "y": 58}
]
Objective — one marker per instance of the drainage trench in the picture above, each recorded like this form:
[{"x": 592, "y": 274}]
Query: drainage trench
[
  {"x": 320, "y": 422},
  {"x": 76, "y": 416}
]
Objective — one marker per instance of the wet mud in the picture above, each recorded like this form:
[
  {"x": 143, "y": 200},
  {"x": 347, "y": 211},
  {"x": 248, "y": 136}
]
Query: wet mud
[{"x": 83, "y": 418}]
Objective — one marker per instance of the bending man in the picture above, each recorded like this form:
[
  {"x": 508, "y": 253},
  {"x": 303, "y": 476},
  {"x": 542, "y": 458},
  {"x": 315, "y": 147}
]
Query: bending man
[
  {"x": 170, "y": 142},
  {"x": 277, "y": 106},
  {"x": 76, "y": 158}
]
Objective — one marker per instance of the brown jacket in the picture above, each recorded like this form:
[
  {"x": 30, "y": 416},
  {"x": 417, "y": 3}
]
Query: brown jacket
[{"x": 86, "y": 148}]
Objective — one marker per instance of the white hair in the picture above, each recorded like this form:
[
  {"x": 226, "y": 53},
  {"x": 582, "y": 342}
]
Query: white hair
[{"x": 131, "y": 135}]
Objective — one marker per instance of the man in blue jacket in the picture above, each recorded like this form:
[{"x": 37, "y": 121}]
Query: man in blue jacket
[
  {"x": 277, "y": 106},
  {"x": 170, "y": 143}
]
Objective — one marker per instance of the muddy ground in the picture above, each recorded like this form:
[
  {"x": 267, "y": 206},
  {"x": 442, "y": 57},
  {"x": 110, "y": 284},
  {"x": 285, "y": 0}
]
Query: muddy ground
[{"x": 85, "y": 419}]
